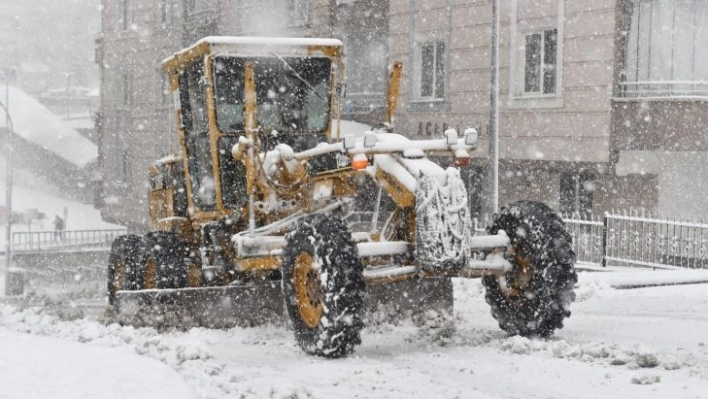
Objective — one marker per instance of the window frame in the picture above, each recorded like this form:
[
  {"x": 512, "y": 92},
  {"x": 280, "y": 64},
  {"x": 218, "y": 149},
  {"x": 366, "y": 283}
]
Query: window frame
[
  {"x": 126, "y": 89},
  {"x": 541, "y": 78},
  {"x": 164, "y": 88},
  {"x": 436, "y": 74},
  {"x": 166, "y": 13},
  {"x": 574, "y": 196},
  {"x": 303, "y": 19},
  {"x": 125, "y": 15},
  {"x": 641, "y": 77},
  {"x": 519, "y": 27}
]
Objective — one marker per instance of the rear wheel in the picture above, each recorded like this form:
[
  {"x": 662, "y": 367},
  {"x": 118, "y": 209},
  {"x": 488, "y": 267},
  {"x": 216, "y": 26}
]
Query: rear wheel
[
  {"x": 164, "y": 263},
  {"x": 534, "y": 298},
  {"x": 323, "y": 285},
  {"x": 124, "y": 265}
]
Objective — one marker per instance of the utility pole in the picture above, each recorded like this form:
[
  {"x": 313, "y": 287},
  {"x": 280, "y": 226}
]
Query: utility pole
[
  {"x": 8, "y": 172},
  {"x": 493, "y": 156}
]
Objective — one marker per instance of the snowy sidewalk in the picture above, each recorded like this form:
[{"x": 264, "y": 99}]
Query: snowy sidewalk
[
  {"x": 643, "y": 278},
  {"x": 33, "y": 366}
]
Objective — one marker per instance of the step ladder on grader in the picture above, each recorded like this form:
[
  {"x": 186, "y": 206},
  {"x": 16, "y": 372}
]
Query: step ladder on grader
[{"x": 260, "y": 211}]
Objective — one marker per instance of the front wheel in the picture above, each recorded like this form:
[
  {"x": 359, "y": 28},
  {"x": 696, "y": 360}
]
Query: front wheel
[
  {"x": 323, "y": 285},
  {"x": 533, "y": 298}
]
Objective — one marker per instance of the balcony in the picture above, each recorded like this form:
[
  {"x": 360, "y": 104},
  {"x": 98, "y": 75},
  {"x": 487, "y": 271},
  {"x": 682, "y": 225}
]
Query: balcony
[{"x": 669, "y": 89}]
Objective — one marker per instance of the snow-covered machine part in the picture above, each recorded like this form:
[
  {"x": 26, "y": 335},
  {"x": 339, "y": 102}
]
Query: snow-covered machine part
[{"x": 443, "y": 223}]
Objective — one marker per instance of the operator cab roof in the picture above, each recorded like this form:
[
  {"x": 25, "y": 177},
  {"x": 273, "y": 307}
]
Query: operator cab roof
[{"x": 253, "y": 46}]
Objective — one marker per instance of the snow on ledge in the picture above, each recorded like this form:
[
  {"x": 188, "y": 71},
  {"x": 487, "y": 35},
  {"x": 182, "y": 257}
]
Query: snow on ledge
[{"x": 37, "y": 124}]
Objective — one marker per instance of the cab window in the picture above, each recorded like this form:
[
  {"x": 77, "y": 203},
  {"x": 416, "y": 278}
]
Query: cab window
[
  {"x": 196, "y": 128},
  {"x": 293, "y": 94}
]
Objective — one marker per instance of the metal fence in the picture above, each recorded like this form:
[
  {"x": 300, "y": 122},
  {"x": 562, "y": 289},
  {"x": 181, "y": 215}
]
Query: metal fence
[
  {"x": 588, "y": 237},
  {"x": 653, "y": 242},
  {"x": 59, "y": 240},
  {"x": 633, "y": 238}
]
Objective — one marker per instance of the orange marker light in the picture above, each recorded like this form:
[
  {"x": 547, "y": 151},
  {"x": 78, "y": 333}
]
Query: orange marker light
[
  {"x": 359, "y": 162},
  {"x": 462, "y": 161}
]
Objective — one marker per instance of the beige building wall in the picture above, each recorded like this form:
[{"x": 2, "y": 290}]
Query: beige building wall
[
  {"x": 136, "y": 119},
  {"x": 541, "y": 135}
]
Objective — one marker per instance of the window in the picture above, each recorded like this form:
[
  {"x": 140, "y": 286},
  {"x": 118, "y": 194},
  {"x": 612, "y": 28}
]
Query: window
[
  {"x": 666, "y": 51},
  {"x": 126, "y": 88},
  {"x": 298, "y": 12},
  {"x": 125, "y": 11},
  {"x": 166, "y": 12},
  {"x": 164, "y": 94},
  {"x": 293, "y": 94},
  {"x": 197, "y": 6},
  {"x": 367, "y": 79},
  {"x": 432, "y": 71},
  {"x": 576, "y": 192},
  {"x": 541, "y": 60},
  {"x": 125, "y": 166},
  {"x": 196, "y": 130}
]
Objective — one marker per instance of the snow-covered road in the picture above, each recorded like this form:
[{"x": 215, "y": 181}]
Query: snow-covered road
[{"x": 648, "y": 343}]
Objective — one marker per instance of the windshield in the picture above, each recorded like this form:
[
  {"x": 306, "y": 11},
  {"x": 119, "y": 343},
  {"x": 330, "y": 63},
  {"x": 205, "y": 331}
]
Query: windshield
[{"x": 293, "y": 94}]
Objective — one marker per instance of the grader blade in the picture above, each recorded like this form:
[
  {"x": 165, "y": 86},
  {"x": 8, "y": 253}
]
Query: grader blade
[
  {"x": 211, "y": 307},
  {"x": 262, "y": 303}
]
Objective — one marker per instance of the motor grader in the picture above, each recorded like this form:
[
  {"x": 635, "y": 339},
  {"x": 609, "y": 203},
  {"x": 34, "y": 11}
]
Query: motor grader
[{"x": 259, "y": 210}]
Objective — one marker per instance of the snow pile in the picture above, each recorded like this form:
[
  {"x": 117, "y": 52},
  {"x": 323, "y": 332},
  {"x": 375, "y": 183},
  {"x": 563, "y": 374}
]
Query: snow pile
[
  {"x": 187, "y": 353},
  {"x": 42, "y": 367},
  {"x": 596, "y": 351}
]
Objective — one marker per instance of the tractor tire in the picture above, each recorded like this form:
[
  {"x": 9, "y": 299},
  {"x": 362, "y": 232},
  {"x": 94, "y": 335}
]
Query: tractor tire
[
  {"x": 124, "y": 265},
  {"x": 534, "y": 298},
  {"x": 324, "y": 287},
  {"x": 164, "y": 264}
]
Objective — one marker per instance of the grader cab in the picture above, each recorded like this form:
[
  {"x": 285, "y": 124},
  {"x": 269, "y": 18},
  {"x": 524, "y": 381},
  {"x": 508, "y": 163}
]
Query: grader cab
[{"x": 259, "y": 211}]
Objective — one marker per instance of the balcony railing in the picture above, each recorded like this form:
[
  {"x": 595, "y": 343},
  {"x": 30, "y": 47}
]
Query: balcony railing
[
  {"x": 665, "y": 89},
  {"x": 63, "y": 240}
]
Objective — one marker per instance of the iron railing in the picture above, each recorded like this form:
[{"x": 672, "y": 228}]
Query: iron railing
[
  {"x": 588, "y": 237},
  {"x": 636, "y": 239},
  {"x": 669, "y": 88},
  {"x": 640, "y": 240},
  {"x": 60, "y": 240}
]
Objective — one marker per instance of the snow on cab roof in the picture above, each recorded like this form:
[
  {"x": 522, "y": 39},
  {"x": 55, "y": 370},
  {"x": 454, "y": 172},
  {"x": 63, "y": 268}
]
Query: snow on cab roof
[
  {"x": 264, "y": 41},
  {"x": 271, "y": 41}
]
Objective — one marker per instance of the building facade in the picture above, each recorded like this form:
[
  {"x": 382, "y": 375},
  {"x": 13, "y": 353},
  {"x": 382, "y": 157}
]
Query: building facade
[{"x": 599, "y": 108}]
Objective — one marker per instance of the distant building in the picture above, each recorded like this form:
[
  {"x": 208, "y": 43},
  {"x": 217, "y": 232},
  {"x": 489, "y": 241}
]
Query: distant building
[
  {"x": 600, "y": 108},
  {"x": 45, "y": 147}
]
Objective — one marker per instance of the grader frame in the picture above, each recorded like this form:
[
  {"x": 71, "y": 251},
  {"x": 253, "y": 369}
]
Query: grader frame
[{"x": 261, "y": 185}]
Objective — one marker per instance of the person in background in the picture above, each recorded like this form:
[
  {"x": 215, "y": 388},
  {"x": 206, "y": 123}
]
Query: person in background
[{"x": 58, "y": 228}]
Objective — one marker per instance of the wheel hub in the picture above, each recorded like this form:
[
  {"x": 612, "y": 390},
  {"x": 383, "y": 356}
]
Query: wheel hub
[
  {"x": 118, "y": 276},
  {"x": 150, "y": 278},
  {"x": 520, "y": 282},
  {"x": 308, "y": 290}
]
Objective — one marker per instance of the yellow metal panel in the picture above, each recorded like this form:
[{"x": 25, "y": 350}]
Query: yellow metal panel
[
  {"x": 183, "y": 60},
  {"x": 214, "y": 134},
  {"x": 398, "y": 192},
  {"x": 259, "y": 263},
  {"x": 394, "y": 83}
]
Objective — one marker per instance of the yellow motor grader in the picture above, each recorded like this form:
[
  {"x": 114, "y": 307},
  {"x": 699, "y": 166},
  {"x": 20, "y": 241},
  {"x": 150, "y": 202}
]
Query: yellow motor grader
[{"x": 262, "y": 209}]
